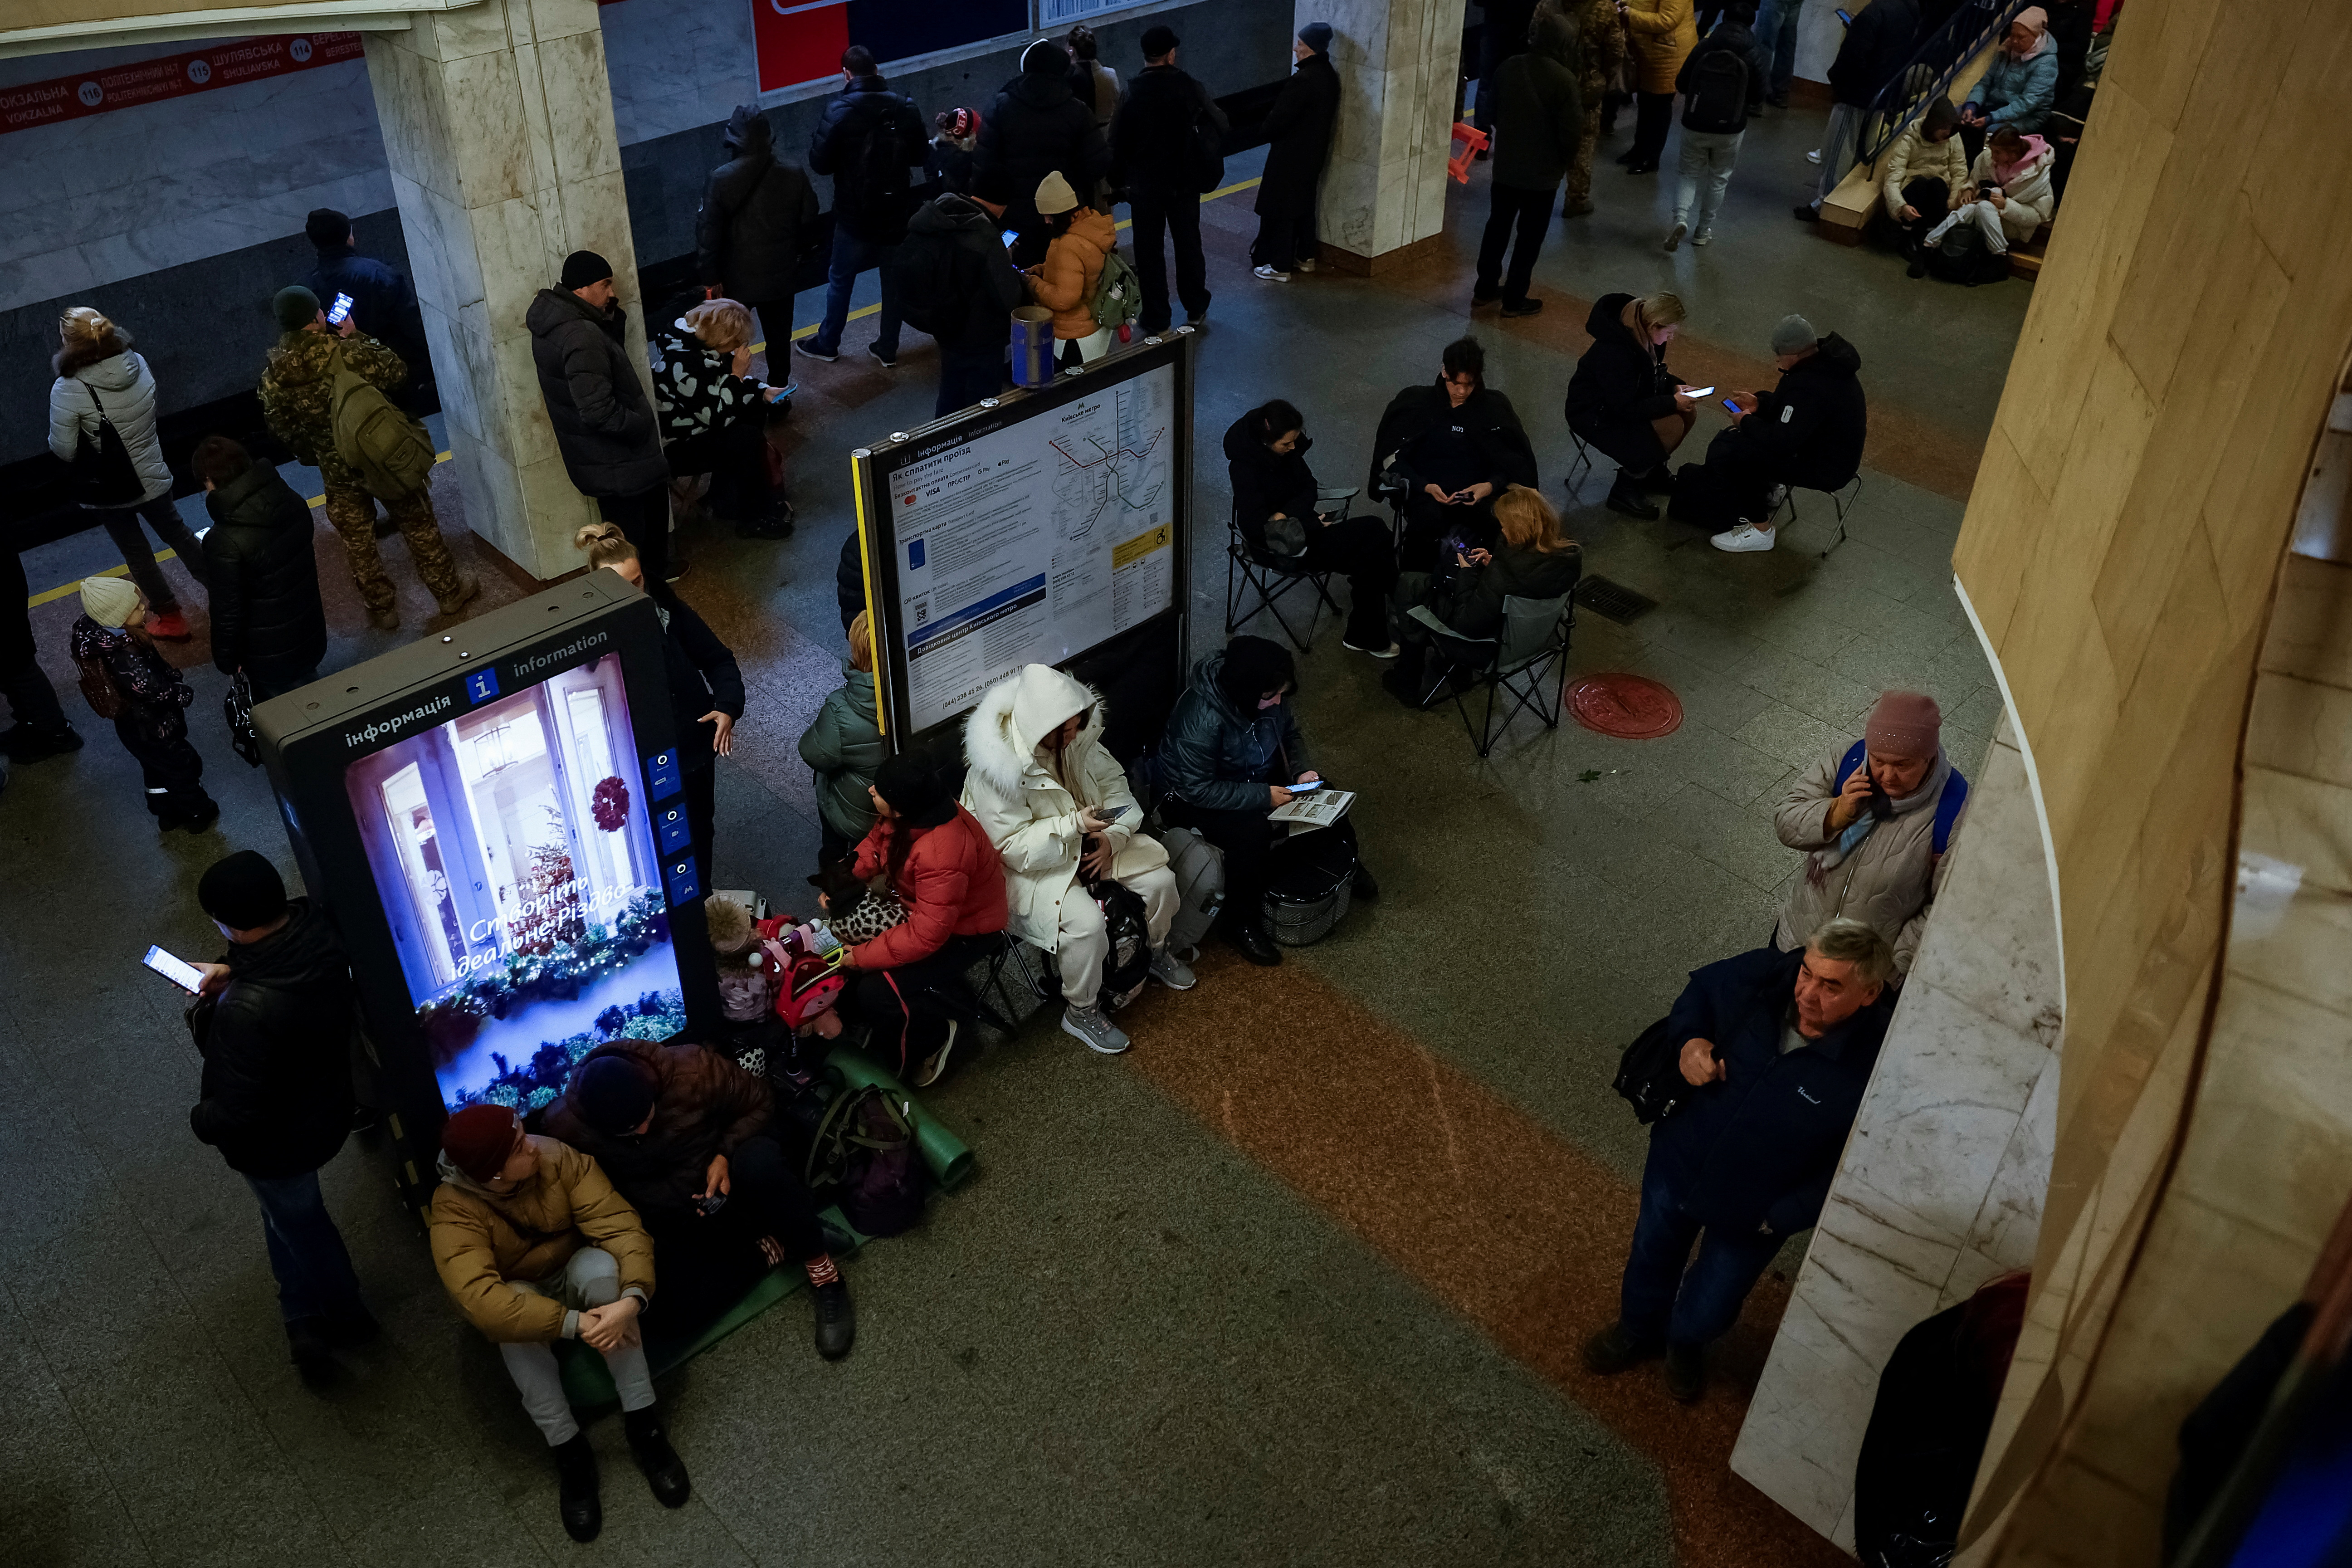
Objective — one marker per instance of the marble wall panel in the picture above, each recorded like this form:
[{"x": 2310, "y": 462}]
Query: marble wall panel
[{"x": 1384, "y": 186}]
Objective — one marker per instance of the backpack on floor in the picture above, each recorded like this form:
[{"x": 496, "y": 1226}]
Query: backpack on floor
[
  {"x": 863, "y": 1158},
  {"x": 1717, "y": 101},
  {"x": 1118, "y": 293},
  {"x": 1200, "y": 869},
  {"x": 1129, "y": 960},
  {"x": 1963, "y": 256},
  {"x": 389, "y": 450}
]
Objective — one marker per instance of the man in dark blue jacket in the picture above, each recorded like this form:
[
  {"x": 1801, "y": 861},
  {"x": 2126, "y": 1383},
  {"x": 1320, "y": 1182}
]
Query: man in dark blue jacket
[
  {"x": 381, "y": 297},
  {"x": 867, "y": 140},
  {"x": 1778, "y": 1048}
]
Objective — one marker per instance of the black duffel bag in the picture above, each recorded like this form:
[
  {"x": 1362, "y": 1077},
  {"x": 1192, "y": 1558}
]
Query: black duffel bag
[{"x": 1649, "y": 1074}]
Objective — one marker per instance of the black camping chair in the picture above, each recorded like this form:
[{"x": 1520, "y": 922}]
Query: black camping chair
[
  {"x": 1531, "y": 654},
  {"x": 1271, "y": 577},
  {"x": 1842, "y": 498}
]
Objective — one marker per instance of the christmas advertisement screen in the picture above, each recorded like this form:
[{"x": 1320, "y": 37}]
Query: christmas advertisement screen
[{"x": 513, "y": 852}]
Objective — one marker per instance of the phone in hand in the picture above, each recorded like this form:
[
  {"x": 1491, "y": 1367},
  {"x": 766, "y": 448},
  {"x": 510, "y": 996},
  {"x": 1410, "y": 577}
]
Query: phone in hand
[
  {"x": 338, "y": 309},
  {"x": 1731, "y": 403},
  {"x": 1465, "y": 497},
  {"x": 1114, "y": 813},
  {"x": 1844, "y": 16},
  {"x": 178, "y": 971},
  {"x": 1308, "y": 787},
  {"x": 1700, "y": 392}
]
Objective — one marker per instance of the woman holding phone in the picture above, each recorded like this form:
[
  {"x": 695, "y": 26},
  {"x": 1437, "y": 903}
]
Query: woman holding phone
[
  {"x": 1531, "y": 560},
  {"x": 1624, "y": 403}
]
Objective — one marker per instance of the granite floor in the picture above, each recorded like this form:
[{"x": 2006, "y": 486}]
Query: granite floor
[{"x": 1299, "y": 1280}]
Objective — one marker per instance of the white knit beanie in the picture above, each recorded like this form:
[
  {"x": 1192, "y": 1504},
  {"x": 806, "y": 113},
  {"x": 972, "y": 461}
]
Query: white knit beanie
[
  {"x": 1055, "y": 196},
  {"x": 109, "y": 601}
]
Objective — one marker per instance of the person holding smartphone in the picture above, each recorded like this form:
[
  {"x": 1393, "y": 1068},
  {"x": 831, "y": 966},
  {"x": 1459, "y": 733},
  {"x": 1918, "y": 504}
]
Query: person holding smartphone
[
  {"x": 1625, "y": 403},
  {"x": 1277, "y": 506},
  {"x": 1809, "y": 430},
  {"x": 273, "y": 1023},
  {"x": 1448, "y": 447},
  {"x": 1531, "y": 560}
]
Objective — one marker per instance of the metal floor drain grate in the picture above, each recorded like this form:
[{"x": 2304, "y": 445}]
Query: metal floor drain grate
[{"x": 1613, "y": 600}]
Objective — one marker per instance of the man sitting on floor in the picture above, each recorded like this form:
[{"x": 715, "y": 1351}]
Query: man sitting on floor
[
  {"x": 683, "y": 1133},
  {"x": 1808, "y": 431}
]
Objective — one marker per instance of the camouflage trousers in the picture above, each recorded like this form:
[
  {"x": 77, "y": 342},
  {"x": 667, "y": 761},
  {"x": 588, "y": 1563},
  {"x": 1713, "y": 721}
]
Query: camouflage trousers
[
  {"x": 353, "y": 512},
  {"x": 1580, "y": 173}
]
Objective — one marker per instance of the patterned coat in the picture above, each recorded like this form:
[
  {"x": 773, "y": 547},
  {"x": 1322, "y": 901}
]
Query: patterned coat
[
  {"x": 297, "y": 392},
  {"x": 1604, "y": 33},
  {"x": 696, "y": 388}
]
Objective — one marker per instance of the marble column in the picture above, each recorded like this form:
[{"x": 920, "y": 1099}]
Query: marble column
[
  {"x": 1941, "y": 1185},
  {"x": 498, "y": 124},
  {"x": 1384, "y": 196}
]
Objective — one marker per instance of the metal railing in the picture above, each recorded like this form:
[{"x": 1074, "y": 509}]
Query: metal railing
[{"x": 1971, "y": 28}]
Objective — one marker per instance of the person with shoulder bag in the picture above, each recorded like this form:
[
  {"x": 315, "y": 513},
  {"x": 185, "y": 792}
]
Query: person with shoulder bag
[{"x": 1058, "y": 807}]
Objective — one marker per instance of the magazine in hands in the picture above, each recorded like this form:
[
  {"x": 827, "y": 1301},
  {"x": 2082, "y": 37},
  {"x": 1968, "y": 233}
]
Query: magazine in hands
[{"x": 1307, "y": 813}]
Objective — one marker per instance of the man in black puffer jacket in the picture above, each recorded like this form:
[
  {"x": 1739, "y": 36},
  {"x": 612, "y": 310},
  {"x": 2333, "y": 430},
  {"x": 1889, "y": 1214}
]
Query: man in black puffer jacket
[
  {"x": 1154, "y": 139},
  {"x": 1809, "y": 430},
  {"x": 274, "y": 1026},
  {"x": 867, "y": 141},
  {"x": 604, "y": 423},
  {"x": 267, "y": 616},
  {"x": 954, "y": 281},
  {"x": 1037, "y": 126},
  {"x": 758, "y": 218}
]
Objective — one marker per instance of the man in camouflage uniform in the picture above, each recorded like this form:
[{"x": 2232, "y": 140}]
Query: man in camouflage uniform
[
  {"x": 298, "y": 400},
  {"x": 1602, "y": 39}
]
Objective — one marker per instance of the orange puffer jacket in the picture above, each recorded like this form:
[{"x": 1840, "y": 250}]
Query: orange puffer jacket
[
  {"x": 953, "y": 884},
  {"x": 1073, "y": 265}
]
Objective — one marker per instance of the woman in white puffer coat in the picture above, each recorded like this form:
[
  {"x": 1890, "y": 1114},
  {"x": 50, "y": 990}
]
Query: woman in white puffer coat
[
  {"x": 1044, "y": 789},
  {"x": 2009, "y": 193}
]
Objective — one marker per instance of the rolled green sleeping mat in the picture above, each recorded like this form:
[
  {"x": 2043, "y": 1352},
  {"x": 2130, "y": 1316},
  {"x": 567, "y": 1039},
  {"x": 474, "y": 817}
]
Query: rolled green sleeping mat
[{"x": 942, "y": 1150}]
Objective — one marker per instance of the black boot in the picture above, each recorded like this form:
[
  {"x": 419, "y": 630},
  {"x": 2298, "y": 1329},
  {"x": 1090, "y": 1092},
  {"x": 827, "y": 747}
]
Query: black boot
[
  {"x": 1628, "y": 497},
  {"x": 664, "y": 1471},
  {"x": 836, "y": 1320},
  {"x": 26, "y": 744},
  {"x": 314, "y": 1357},
  {"x": 575, "y": 1481},
  {"x": 1255, "y": 945},
  {"x": 1659, "y": 480},
  {"x": 355, "y": 1325},
  {"x": 1402, "y": 679}
]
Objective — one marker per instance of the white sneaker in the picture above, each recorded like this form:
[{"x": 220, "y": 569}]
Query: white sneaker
[
  {"x": 1306, "y": 264},
  {"x": 1746, "y": 539},
  {"x": 1092, "y": 1026},
  {"x": 1675, "y": 235},
  {"x": 1389, "y": 652},
  {"x": 1814, "y": 156},
  {"x": 1171, "y": 971},
  {"x": 928, "y": 1073},
  {"x": 1703, "y": 236},
  {"x": 1270, "y": 275}
]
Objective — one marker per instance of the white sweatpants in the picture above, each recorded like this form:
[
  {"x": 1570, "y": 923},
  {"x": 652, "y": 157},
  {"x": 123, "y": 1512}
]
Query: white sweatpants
[
  {"x": 1084, "y": 946},
  {"x": 1986, "y": 216}
]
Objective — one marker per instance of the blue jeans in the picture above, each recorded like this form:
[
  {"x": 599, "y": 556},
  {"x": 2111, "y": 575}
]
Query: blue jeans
[
  {"x": 315, "y": 1279},
  {"x": 1659, "y": 1303},
  {"x": 1776, "y": 30},
  {"x": 852, "y": 255}
]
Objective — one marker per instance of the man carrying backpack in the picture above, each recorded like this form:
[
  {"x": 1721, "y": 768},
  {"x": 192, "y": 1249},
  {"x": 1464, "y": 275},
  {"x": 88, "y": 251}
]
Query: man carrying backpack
[
  {"x": 867, "y": 141},
  {"x": 758, "y": 216},
  {"x": 299, "y": 404},
  {"x": 1720, "y": 81},
  {"x": 954, "y": 281},
  {"x": 1165, "y": 152}
]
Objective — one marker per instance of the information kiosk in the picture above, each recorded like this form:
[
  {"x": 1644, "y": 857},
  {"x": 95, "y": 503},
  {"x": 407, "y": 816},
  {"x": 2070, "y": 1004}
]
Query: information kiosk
[
  {"x": 1043, "y": 527},
  {"x": 494, "y": 819}
]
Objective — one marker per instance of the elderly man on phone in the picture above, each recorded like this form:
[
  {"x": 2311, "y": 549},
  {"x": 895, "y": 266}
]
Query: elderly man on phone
[{"x": 1777, "y": 1048}]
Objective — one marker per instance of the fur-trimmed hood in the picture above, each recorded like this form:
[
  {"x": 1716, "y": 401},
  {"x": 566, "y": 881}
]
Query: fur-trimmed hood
[{"x": 1001, "y": 738}]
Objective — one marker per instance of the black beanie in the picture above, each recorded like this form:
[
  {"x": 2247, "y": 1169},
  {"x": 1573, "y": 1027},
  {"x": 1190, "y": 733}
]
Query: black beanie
[
  {"x": 1044, "y": 57},
  {"x": 583, "y": 267},
  {"x": 907, "y": 783},
  {"x": 1253, "y": 667},
  {"x": 328, "y": 229},
  {"x": 613, "y": 1094},
  {"x": 242, "y": 892}
]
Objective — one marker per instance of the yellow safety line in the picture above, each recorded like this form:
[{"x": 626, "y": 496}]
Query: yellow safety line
[{"x": 760, "y": 347}]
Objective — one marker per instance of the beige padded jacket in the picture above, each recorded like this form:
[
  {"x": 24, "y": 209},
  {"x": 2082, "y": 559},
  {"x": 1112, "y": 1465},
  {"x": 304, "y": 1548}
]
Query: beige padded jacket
[{"x": 1888, "y": 882}]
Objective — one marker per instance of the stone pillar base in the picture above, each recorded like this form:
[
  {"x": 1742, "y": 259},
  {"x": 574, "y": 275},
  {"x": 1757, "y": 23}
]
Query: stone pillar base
[{"x": 1333, "y": 259}]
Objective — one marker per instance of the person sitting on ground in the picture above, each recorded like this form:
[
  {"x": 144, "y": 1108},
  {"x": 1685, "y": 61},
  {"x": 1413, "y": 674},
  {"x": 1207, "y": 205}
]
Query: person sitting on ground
[
  {"x": 1531, "y": 560},
  {"x": 115, "y": 651},
  {"x": 942, "y": 866},
  {"x": 1623, "y": 401},
  {"x": 267, "y": 618},
  {"x": 715, "y": 415},
  {"x": 1925, "y": 170},
  {"x": 2008, "y": 195},
  {"x": 1876, "y": 821},
  {"x": 955, "y": 141},
  {"x": 2019, "y": 85},
  {"x": 1451, "y": 446},
  {"x": 844, "y": 745},
  {"x": 1277, "y": 507},
  {"x": 1778, "y": 1047},
  {"x": 1064, "y": 281},
  {"x": 534, "y": 1246},
  {"x": 1057, "y": 804},
  {"x": 682, "y": 1133},
  {"x": 1232, "y": 751},
  {"x": 1809, "y": 430}
]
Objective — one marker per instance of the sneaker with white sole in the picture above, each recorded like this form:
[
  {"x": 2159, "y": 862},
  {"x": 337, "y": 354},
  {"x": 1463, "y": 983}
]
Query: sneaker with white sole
[
  {"x": 1269, "y": 275},
  {"x": 1703, "y": 236},
  {"x": 1745, "y": 539},
  {"x": 1171, "y": 971},
  {"x": 1305, "y": 264},
  {"x": 1675, "y": 235},
  {"x": 1389, "y": 652},
  {"x": 806, "y": 351},
  {"x": 1814, "y": 156},
  {"x": 887, "y": 362},
  {"x": 1093, "y": 1026},
  {"x": 936, "y": 1063}
]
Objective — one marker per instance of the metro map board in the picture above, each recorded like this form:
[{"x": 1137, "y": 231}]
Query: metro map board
[{"x": 1037, "y": 541}]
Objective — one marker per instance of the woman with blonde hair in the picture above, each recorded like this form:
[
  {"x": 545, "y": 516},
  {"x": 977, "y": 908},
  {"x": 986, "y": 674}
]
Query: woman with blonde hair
[
  {"x": 103, "y": 385},
  {"x": 844, "y": 745},
  {"x": 1532, "y": 559},
  {"x": 1624, "y": 403},
  {"x": 715, "y": 415},
  {"x": 706, "y": 687}
]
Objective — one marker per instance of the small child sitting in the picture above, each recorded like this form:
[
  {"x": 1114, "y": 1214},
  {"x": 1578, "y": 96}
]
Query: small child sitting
[{"x": 853, "y": 913}]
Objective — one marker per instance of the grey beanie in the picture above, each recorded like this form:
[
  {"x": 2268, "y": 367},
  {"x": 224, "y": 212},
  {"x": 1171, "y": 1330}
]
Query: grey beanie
[
  {"x": 1794, "y": 335},
  {"x": 294, "y": 307}
]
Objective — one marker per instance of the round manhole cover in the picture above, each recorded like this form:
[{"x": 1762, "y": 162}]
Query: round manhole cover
[{"x": 1629, "y": 707}]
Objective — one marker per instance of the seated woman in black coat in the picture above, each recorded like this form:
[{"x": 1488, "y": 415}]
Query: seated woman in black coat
[
  {"x": 1531, "y": 560},
  {"x": 706, "y": 685},
  {"x": 1624, "y": 403},
  {"x": 1454, "y": 445},
  {"x": 1266, "y": 453}
]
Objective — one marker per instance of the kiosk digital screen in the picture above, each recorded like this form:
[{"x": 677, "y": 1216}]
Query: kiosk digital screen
[{"x": 513, "y": 853}]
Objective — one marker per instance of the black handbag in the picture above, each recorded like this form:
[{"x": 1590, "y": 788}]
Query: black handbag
[
  {"x": 237, "y": 708},
  {"x": 103, "y": 474},
  {"x": 1650, "y": 1075}
]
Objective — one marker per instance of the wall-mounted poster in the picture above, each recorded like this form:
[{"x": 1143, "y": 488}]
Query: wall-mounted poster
[{"x": 800, "y": 41}]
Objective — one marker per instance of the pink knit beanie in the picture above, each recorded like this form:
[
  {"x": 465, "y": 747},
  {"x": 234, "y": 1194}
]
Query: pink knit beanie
[{"x": 1905, "y": 724}]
